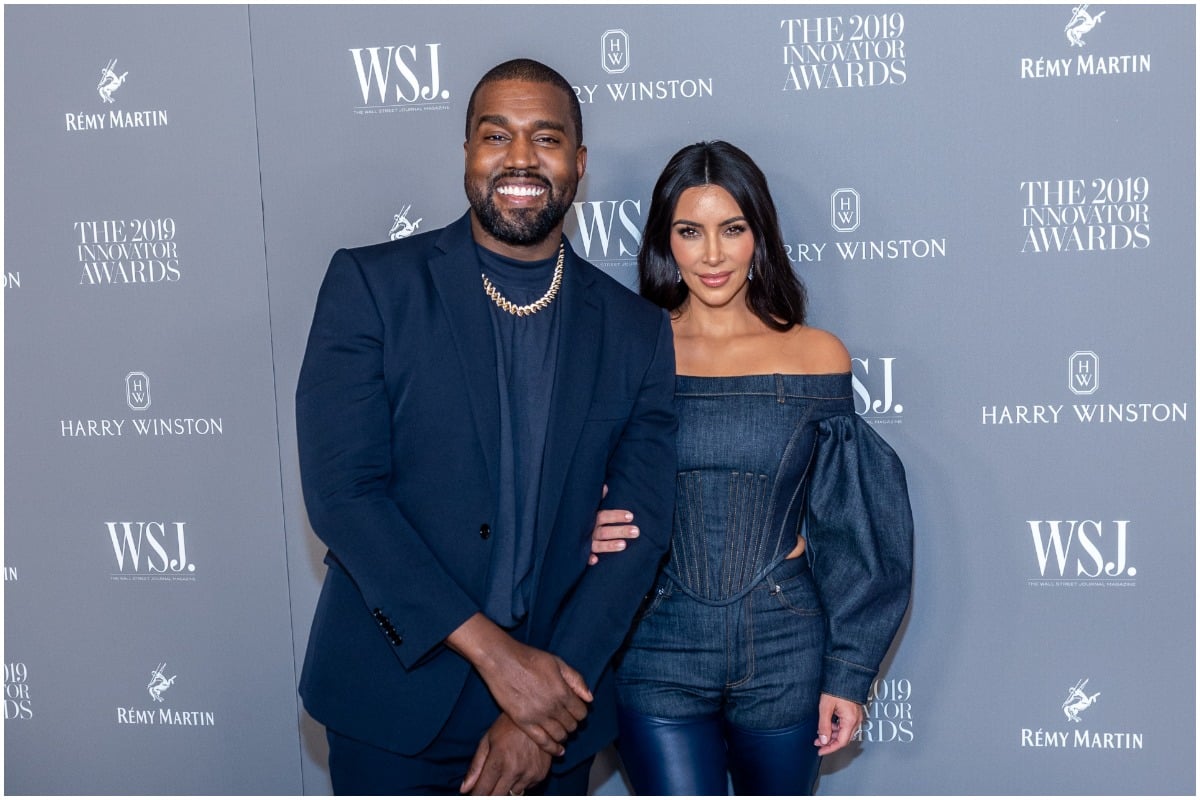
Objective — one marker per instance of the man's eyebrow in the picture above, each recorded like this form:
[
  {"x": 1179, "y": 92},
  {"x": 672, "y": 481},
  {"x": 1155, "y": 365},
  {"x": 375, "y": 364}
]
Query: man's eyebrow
[
  {"x": 541, "y": 124},
  {"x": 495, "y": 119}
]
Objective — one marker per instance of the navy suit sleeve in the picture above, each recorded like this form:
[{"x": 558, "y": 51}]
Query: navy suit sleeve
[
  {"x": 345, "y": 430},
  {"x": 640, "y": 477}
]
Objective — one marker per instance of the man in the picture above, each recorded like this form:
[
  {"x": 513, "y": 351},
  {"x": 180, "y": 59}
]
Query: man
[{"x": 455, "y": 436}]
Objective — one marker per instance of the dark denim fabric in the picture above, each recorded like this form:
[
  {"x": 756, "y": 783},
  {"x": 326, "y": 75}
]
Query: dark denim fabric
[
  {"x": 731, "y": 624},
  {"x": 756, "y": 661}
]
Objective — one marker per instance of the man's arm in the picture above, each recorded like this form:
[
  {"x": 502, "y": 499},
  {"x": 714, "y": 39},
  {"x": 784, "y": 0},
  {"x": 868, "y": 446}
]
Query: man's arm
[
  {"x": 344, "y": 436},
  {"x": 641, "y": 478},
  {"x": 537, "y": 690}
]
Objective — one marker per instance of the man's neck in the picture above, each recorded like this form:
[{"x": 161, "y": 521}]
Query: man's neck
[{"x": 540, "y": 251}]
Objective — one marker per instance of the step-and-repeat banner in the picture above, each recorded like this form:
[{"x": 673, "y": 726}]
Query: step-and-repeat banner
[{"x": 993, "y": 206}]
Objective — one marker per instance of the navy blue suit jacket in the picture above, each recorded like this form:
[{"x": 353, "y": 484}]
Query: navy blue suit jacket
[{"x": 397, "y": 417}]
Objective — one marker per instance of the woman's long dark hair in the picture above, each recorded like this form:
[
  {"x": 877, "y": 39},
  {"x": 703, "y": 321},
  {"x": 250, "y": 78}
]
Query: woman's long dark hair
[{"x": 776, "y": 295}]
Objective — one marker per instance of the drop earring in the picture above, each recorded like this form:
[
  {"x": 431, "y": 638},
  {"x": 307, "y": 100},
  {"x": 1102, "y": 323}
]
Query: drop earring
[{"x": 750, "y": 274}]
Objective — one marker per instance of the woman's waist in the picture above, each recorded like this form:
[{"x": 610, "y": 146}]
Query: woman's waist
[
  {"x": 729, "y": 528},
  {"x": 766, "y": 578}
]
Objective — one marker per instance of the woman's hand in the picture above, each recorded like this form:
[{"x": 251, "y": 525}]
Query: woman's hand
[
  {"x": 837, "y": 722},
  {"x": 611, "y": 530}
]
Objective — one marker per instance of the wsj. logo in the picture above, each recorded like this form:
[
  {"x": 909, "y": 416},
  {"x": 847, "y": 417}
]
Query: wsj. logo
[
  {"x": 876, "y": 406},
  {"x": 1083, "y": 373},
  {"x": 614, "y": 51},
  {"x": 1054, "y": 542},
  {"x": 159, "y": 682},
  {"x": 1078, "y": 700},
  {"x": 137, "y": 391},
  {"x": 417, "y": 77},
  {"x": 607, "y": 223},
  {"x": 402, "y": 227},
  {"x": 147, "y": 549},
  {"x": 845, "y": 212},
  {"x": 1081, "y": 22},
  {"x": 110, "y": 81}
]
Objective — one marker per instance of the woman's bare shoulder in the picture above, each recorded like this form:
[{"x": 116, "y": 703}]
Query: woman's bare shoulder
[{"x": 816, "y": 352}]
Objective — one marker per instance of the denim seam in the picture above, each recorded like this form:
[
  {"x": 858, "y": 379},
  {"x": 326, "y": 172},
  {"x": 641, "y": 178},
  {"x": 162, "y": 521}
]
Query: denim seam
[{"x": 748, "y": 638}]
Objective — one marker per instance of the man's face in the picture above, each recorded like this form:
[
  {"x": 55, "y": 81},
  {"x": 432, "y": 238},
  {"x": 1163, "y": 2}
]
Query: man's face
[{"x": 523, "y": 164}]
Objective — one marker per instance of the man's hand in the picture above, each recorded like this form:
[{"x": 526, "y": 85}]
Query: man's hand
[
  {"x": 837, "y": 722},
  {"x": 506, "y": 761},
  {"x": 541, "y": 694}
]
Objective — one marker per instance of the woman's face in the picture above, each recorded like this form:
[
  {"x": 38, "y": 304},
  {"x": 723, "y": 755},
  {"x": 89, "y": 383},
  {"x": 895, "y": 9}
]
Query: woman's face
[{"x": 712, "y": 245}]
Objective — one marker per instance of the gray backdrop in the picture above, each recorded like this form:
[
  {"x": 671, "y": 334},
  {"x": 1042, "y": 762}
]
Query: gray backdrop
[{"x": 993, "y": 206}]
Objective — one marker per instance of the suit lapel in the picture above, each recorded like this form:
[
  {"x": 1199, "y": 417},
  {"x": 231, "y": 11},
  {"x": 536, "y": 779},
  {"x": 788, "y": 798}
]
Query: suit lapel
[
  {"x": 455, "y": 274},
  {"x": 574, "y": 378}
]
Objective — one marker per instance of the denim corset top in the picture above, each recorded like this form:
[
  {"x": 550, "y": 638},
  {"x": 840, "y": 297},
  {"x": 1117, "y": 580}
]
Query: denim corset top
[{"x": 746, "y": 445}]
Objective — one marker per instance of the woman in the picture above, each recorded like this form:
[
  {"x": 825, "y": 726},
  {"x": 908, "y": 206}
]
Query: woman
[{"x": 791, "y": 554}]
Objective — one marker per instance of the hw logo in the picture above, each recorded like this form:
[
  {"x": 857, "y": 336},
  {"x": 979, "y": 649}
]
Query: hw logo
[
  {"x": 137, "y": 391},
  {"x": 614, "y": 51},
  {"x": 1083, "y": 374},
  {"x": 844, "y": 210}
]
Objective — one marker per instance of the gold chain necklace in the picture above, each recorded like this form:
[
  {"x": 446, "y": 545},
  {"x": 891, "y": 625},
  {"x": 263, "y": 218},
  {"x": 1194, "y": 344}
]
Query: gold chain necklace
[{"x": 536, "y": 305}]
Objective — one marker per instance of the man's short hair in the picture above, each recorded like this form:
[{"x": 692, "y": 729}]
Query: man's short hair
[{"x": 526, "y": 69}]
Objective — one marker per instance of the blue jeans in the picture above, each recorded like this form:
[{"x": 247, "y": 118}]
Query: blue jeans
[{"x": 705, "y": 677}]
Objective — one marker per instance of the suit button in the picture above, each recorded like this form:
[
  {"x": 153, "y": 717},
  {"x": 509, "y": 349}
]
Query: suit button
[{"x": 484, "y": 531}]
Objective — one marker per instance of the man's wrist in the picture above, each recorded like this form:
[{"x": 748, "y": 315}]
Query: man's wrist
[{"x": 477, "y": 640}]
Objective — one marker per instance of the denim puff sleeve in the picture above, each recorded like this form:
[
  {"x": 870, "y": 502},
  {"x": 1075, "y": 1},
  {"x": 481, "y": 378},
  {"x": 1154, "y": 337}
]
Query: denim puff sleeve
[{"x": 859, "y": 530}]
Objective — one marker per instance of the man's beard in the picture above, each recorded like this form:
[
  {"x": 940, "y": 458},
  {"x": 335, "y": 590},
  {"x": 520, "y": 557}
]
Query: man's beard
[{"x": 525, "y": 226}]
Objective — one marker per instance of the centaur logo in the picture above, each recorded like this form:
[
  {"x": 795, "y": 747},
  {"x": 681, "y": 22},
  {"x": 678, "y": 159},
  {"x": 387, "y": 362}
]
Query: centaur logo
[
  {"x": 1081, "y": 22},
  {"x": 402, "y": 226},
  {"x": 110, "y": 81},
  {"x": 399, "y": 78},
  {"x": 1078, "y": 700},
  {"x": 159, "y": 682},
  {"x": 614, "y": 51}
]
